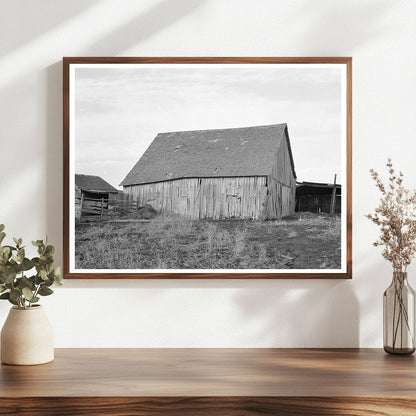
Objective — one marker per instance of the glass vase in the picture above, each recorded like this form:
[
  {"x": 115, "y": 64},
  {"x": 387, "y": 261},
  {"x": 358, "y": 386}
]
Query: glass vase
[{"x": 399, "y": 316}]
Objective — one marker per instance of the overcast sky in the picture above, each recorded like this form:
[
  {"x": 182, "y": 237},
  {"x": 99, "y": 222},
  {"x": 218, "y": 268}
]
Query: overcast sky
[{"x": 119, "y": 111}]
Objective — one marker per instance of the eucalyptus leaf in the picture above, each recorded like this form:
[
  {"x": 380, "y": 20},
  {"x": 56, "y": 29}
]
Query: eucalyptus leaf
[
  {"x": 26, "y": 264},
  {"x": 57, "y": 274},
  {"x": 43, "y": 274},
  {"x": 13, "y": 301},
  {"x": 2, "y": 227},
  {"x": 27, "y": 293},
  {"x": 48, "y": 282},
  {"x": 2, "y": 236},
  {"x": 4, "y": 255},
  {"x": 21, "y": 255},
  {"x": 14, "y": 267},
  {"x": 5, "y": 250},
  {"x": 45, "y": 260},
  {"x": 5, "y": 295},
  {"x": 15, "y": 294},
  {"x": 58, "y": 277},
  {"x": 24, "y": 282},
  {"x": 49, "y": 250},
  {"x": 9, "y": 277},
  {"x": 45, "y": 291},
  {"x": 38, "y": 280}
]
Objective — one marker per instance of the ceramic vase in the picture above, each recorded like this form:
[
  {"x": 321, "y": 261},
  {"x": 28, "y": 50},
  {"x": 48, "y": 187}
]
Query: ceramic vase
[{"x": 27, "y": 337}]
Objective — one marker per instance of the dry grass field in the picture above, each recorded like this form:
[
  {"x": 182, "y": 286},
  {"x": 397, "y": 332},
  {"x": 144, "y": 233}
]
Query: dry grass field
[{"x": 302, "y": 241}]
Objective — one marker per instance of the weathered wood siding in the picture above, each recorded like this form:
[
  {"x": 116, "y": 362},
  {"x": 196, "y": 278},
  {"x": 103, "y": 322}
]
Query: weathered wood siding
[
  {"x": 239, "y": 197},
  {"x": 91, "y": 203},
  {"x": 317, "y": 203},
  {"x": 78, "y": 197},
  {"x": 281, "y": 186}
]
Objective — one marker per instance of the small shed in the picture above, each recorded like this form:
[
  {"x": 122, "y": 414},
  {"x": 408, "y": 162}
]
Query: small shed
[
  {"x": 92, "y": 194},
  {"x": 316, "y": 197},
  {"x": 243, "y": 172}
]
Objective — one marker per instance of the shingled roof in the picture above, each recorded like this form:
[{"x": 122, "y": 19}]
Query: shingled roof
[
  {"x": 246, "y": 151},
  {"x": 91, "y": 183}
]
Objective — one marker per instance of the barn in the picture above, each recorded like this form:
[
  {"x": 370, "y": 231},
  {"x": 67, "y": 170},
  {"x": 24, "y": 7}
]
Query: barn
[
  {"x": 229, "y": 173},
  {"x": 92, "y": 194},
  {"x": 318, "y": 197}
]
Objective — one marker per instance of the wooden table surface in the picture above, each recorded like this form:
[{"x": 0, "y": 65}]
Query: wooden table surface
[{"x": 212, "y": 381}]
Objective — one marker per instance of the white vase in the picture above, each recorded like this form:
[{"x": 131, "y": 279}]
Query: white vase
[{"x": 27, "y": 337}]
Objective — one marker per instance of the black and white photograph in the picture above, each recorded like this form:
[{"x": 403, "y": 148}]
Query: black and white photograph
[{"x": 206, "y": 168}]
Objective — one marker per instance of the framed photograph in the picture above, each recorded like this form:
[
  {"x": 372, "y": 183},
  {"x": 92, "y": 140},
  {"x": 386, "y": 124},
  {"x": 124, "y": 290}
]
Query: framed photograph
[{"x": 207, "y": 168}]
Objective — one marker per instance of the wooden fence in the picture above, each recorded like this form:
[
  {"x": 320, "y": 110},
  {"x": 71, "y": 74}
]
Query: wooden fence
[{"x": 87, "y": 208}]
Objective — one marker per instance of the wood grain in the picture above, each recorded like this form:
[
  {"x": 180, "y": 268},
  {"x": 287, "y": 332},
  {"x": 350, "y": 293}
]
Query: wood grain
[
  {"x": 212, "y": 381},
  {"x": 207, "y": 60},
  {"x": 214, "y": 372},
  {"x": 196, "y": 198},
  {"x": 207, "y": 406}
]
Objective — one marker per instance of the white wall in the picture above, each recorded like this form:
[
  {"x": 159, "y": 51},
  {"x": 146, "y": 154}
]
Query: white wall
[{"x": 380, "y": 35}]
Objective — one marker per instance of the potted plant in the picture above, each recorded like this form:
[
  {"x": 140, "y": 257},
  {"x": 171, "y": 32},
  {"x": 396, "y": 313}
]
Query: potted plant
[
  {"x": 396, "y": 217},
  {"x": 27, "y": 336}
]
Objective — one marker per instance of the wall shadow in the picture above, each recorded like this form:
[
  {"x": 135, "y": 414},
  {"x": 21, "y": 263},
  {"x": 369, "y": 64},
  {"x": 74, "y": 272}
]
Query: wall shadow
[
  {"x": 54, "y": 145},
  {"x": 157, "y": 18},
  {"x": 37, "y": 18},
  {"x": 301, "y": 313},
  {"x": 310, "y": 18}
]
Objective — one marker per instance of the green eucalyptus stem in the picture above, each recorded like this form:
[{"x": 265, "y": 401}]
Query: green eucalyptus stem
[{"x": 35, "y": 294}]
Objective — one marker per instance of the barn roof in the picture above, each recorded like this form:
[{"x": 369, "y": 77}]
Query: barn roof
[
  {"x": 91, "y": 183},
  {"x": 246, "y": 151},
  {"x": 318, "y": 184}
]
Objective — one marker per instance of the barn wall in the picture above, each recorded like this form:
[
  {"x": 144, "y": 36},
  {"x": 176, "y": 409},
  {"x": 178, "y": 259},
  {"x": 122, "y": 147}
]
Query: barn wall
[
  {"x": 78, "y": 195},
  {"x": 240, "y": 197},
  {"x": 317, "y": 203},
  {"x": 281, "y": 186},
  {"x": 90, "y": 203}
]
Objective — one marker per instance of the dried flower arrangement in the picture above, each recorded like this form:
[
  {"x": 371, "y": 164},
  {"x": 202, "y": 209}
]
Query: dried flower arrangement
[{"x": 396, "y": 217}]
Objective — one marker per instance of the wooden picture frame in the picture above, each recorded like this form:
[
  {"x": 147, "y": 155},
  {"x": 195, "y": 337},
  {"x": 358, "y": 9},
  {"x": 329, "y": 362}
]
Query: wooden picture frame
[{"x": 86, "y": 115}]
